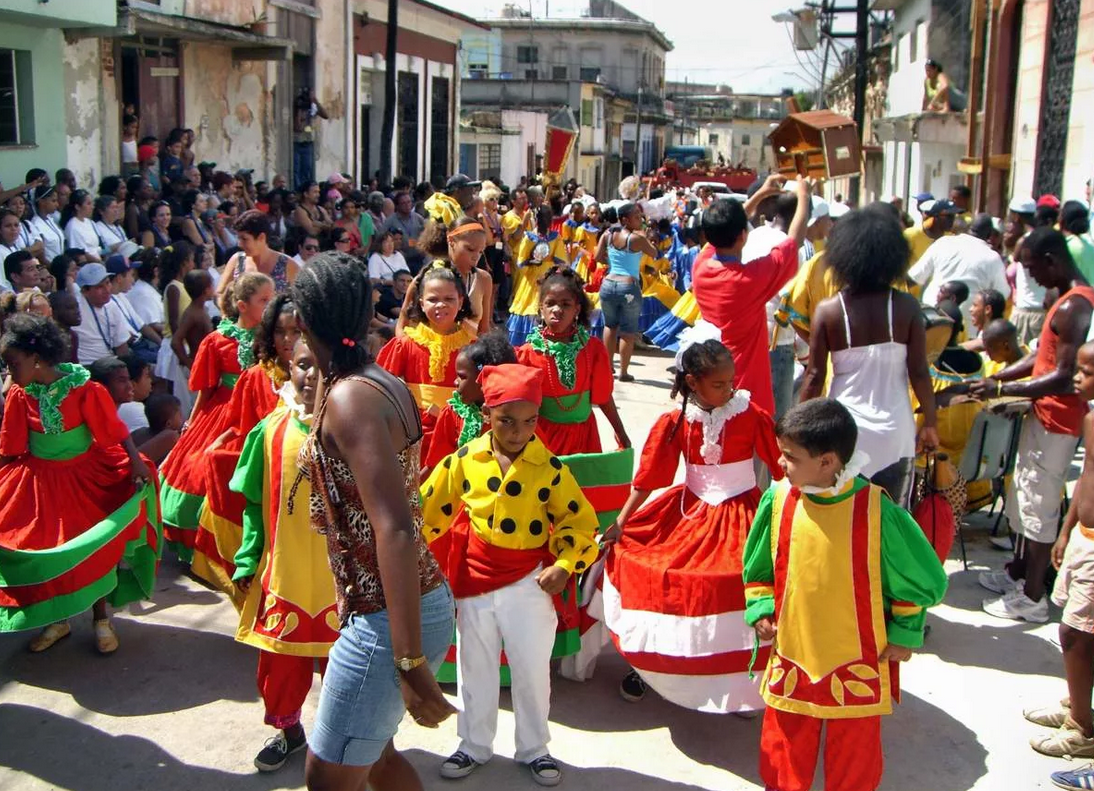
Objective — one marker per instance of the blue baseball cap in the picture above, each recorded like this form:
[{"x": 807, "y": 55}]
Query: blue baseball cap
[
  {"x": 923, "y": 196},
  {"x": 91, "y": 275},
  {"x": 118, "y": 264}
]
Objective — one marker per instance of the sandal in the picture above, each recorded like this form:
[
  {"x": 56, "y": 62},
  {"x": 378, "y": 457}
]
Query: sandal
[
  {"x": 50, "y": 635},
  {"x": 626, "y": 378},
  {"x": 106, "y": 639}
]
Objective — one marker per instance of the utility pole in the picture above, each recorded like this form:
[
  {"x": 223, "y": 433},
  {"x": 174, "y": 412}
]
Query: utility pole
[
  {"x": 862, "y": 72},
  {"x": 387, "y": 136}
]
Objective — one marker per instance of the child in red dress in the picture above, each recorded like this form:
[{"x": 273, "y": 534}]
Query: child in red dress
[
  {"x": 424, "y": 356},
  {"x": 461, "y": 420},
  {"x": 576, "y": 373},
  {"x": 220, "y": 360},
  {"x": 254, "y": 397},
  {"x": 76, "y": 500},
  {"x": 673, "y": 596}
]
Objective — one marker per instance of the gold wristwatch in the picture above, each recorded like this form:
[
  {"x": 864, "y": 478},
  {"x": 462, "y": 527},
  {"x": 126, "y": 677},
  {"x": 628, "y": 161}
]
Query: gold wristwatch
[{"x": 406, "y": 664}]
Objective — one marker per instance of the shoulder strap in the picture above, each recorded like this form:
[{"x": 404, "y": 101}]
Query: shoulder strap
[
  {"x": 410, "y": 418},
  {"x": 847, "y": 321},
  {"x": 890, "y": 317}
]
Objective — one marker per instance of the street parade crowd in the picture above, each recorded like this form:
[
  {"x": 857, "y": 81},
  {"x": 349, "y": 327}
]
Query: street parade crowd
[{"x": 369, "y": 418}]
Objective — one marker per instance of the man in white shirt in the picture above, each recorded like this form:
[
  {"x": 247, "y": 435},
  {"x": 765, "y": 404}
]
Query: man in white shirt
[
  {"x": 102, "y": 330},
  {"x": 965, "y": 257}
]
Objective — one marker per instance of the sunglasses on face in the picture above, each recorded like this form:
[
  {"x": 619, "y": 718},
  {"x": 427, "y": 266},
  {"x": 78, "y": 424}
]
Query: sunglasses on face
[
  {"x": 343, "y": 241},
  {"x": 311, "y": 248}
]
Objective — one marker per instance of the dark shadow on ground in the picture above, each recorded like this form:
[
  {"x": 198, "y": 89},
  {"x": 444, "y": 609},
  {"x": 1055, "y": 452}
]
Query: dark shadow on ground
[
  {"x": 506, "y": 773},
  {"x": 158, "y": 669},
  {"x": 67, "y": 754},
  {"x": 731, "y": 743}
]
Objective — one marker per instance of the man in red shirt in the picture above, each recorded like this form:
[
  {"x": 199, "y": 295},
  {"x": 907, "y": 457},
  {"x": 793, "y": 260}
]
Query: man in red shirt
[
  {"x": 1050, "y": 433},
  {"x": 732, "y": 296}
]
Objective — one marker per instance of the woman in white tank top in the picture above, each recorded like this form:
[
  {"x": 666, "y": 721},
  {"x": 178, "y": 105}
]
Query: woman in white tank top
[{"x": 877, "y": 341}]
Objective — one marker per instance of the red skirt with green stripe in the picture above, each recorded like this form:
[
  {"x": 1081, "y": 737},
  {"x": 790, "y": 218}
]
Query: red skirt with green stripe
[
  {"x": 105, "y": 542},
  {"x": 182, "y": 479}
]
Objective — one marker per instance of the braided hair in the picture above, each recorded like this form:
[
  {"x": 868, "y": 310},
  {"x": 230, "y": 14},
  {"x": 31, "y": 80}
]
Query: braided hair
[
  {"x": 333, "y": 296},
  {"x": 264, "y": 348},
  {"x": 697, "y": 360},
  {"x": 490, "y": 348},
  {"x": 30, "y": 333},
  {"x": 439, "y": 271},
  {"x": 172, "y": 259},
  {"x": 570, "y": 280}
]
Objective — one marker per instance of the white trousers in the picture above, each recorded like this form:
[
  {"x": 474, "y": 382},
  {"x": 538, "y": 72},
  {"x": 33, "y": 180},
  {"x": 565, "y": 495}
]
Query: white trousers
[{"x": 522, "y": 619}]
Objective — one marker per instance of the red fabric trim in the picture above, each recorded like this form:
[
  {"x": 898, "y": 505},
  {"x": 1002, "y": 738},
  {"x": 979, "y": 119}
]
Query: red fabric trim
[
  {"x": 712, "y": 665},
  {"x": 782, "y": 552},
  {"x": 177, "y": 535},
  {"x": 95, "y": 567}
]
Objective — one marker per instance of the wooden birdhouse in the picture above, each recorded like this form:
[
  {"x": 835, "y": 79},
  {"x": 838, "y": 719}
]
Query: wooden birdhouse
[{"x": 820, "y": 144}]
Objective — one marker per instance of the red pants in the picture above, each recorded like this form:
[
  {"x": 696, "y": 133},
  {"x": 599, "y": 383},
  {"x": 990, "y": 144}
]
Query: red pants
[
  {"x": 284, "y": 682},
  {"x": 789, "y": 745}
]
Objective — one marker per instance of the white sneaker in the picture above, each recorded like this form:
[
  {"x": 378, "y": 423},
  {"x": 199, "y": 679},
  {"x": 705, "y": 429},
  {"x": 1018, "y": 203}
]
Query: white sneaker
[
  {"x": 1005, "y": 543},
  {"x": 1016, "y": 606},
  {"x": 998, "y": 581}
]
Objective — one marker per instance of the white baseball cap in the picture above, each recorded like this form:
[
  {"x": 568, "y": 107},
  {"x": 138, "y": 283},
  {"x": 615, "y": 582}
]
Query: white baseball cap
[
  {"x": 820, "y": 210},
  {"x": 1023, "y": 206}
]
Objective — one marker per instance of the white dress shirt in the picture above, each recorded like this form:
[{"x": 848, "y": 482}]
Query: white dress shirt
[{"x": 963, "y": 258}]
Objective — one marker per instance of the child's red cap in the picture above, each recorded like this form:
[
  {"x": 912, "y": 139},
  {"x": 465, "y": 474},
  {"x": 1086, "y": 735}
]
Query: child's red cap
[{"x": 504, "y": 384}]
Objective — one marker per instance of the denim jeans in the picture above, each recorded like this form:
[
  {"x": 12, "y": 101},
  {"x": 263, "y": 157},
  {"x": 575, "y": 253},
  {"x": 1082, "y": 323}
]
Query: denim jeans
[
  {"x": 303, "y": 163},
  {"x": 782, "y": 378}
]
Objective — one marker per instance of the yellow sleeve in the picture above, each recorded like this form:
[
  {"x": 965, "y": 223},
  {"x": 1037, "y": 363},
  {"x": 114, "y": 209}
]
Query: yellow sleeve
[
  {"x": 574, "y": 522},
  {"x": 559, "y": 252},
  {"x": 441, "y": 497},
  {"x": 798, "y": 304}
]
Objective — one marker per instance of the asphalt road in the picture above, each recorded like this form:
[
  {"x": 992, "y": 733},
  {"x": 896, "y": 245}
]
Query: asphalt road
[{"x": 176, "y": 707}]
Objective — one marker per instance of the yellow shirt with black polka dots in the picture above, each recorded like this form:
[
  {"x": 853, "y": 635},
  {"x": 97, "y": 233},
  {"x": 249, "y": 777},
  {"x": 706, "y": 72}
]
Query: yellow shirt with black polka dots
[{"x": 536, "y": 502}]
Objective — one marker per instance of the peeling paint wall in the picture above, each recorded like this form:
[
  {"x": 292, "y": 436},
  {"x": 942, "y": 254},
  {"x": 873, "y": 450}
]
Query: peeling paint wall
[
  {"x": 331, "y": 62},
  {"x": 229, "y": 107},
  {"x": 226, "y": 12},
  {"x": 83, "y": 109}
]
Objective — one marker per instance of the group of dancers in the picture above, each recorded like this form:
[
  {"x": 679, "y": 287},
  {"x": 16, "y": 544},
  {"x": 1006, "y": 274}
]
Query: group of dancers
[{"x": 524, "y": 529}]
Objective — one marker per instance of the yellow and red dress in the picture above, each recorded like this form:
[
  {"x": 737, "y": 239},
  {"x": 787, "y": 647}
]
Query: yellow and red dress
[
  {"x": 218, "y": 364},
  {"x": 220, "y": 523},
  {"x": 843, "y": 573},
  {"x": 426, "y": 361},
  {"x": 289, "y": 612},
  {"x": 576, "y": 377},
  {"x": 73, "y": 529},
  {"x": 673, "y": 595}
]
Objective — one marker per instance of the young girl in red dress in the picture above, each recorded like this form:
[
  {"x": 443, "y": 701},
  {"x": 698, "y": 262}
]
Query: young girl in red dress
[
  {"x": 424, "y": 356},
  {"x": 576, "y": 373},
  {"x": 79, "y": 526},
  {"x": 220, "y": 359},
  {"x": 254, "y": 397},
  {"x": 673, "y": 596},
  {"x": 461, "y": 420}
]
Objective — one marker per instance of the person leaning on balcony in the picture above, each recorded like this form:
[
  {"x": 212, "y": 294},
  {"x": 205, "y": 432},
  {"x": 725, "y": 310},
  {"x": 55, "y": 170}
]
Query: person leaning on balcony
[{"x": 936, "y": 89}]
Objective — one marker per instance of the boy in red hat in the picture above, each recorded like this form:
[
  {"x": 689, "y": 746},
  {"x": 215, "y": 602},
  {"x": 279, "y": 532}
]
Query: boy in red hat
[{"x": 521, "y": 526}]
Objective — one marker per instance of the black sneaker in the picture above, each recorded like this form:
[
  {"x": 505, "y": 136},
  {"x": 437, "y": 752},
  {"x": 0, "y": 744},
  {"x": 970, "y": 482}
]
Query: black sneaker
[
  {"x": 277, "y": 751},
  {"x": 632, "y": 688},
  {"x": 458, "y": 765},
  {"x": 545, "y": 771}
]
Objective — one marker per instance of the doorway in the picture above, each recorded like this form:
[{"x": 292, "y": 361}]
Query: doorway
[{"x": 152, "y": 83}]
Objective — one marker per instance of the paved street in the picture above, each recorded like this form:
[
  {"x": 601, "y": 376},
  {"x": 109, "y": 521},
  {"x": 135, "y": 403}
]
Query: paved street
[{"x": 176, "y": 707}]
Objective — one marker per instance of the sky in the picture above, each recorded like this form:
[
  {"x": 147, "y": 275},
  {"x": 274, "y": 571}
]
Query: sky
[{"x": 731, "y": 42}]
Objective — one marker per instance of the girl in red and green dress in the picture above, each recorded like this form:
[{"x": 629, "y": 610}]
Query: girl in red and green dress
[
  {"x": 253, "y": 398},
  {"x": 220, "y": 360},
  {"x": 424, "y": 356},
  {"x": 576, "y": 373},
  {"x": 461, "y": 420},
  {"x": 79, "y": 523}
]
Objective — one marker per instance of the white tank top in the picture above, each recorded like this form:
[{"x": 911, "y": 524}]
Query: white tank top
[{"x": 872, "y": 382}]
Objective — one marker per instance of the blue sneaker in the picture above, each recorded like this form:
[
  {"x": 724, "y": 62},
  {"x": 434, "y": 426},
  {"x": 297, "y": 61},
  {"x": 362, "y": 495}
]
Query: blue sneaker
[{"x": 1078, "y": 779}]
